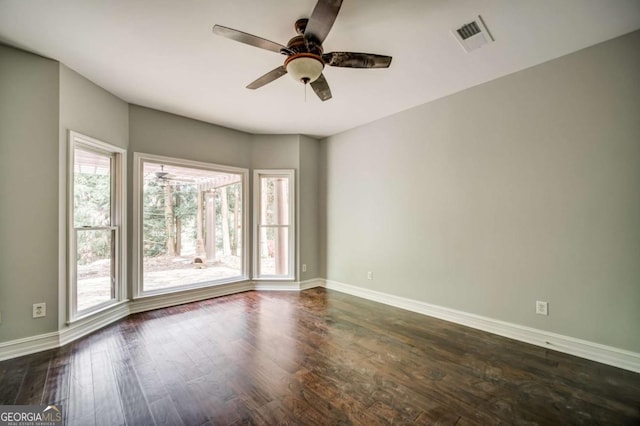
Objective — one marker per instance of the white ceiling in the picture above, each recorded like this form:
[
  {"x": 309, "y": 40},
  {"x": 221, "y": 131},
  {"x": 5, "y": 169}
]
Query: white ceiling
[{"x": 162, "y": 53}]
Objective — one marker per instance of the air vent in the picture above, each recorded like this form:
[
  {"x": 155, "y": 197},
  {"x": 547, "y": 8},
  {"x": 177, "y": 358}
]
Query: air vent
[
  {"x": 472, "y": 35},
  {"x": 468, "y": 30}
]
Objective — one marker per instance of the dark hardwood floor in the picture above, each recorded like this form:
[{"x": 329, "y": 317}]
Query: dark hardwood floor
[{"x": 315, "y": 357}]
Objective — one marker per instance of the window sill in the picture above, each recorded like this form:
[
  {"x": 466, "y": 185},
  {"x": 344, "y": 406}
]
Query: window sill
[
  {"x": 191, "y": 287},
  {"x": 267, "y": 278},
  {"x": 103, "y": 309}
]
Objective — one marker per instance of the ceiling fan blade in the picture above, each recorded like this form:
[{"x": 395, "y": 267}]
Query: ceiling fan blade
[
  {"x": 356, "y": 60},
  {"x": 321, "y": 87},
  {"x": 268, "y": 77},
  {"x": 322, "y": 19},
  {"x": 250, "y": 39}
]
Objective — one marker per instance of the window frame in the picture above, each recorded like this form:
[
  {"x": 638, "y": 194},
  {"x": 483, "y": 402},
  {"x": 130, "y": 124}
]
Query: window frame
[
  {"x": 117, "y": 225},
  {"x": 258, "y": 174},
  {"x": 138, "y": 227}
]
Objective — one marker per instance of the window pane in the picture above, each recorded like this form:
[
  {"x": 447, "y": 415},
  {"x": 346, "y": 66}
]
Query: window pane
[
  {"x": 95, "y": 272},
  {"x": 192, "y": 226},
  {"x": 91, "y": 189},
  {"x": 274, "y": 250},
  {"x": 275, "y": 200}
]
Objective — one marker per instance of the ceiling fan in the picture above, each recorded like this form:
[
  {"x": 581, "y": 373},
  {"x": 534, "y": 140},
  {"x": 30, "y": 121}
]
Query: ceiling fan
[
  {"x": 305, "y": 58},
  {"x": 162, "y": 175}
]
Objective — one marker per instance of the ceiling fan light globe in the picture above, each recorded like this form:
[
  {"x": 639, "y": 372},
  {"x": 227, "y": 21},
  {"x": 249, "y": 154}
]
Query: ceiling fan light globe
[{"x": 305, "y": 68}]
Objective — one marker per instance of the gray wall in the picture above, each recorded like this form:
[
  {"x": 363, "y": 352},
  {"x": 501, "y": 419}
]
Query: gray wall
[
  {"x": 28, "y": 192},
  {"x": 162, "y": 133},
  {"x": 525, "y": 188},
  {"x": 275, "y": 152},
  {"x": 309, "y": 206},
  {"x": 88, "y": 109},
  {"x": 323, "y": 173},
  {"x": 41, "y": 101},
  {"x": 91, "y": 110}
]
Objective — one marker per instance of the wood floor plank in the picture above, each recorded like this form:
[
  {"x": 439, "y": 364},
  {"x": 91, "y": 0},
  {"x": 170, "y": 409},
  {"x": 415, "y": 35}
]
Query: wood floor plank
[
  {"x": 134, "y": 405},
  {"x": 151, "y": 382},
  {"x": 56, "y": 387},
  {"x": 164, "y": 412},
  {"x": 190, "y": 408},
  {"x": 81, "y": 402},
  {"x": 316, "y": 357},
  {"x": 105, "y": 390},
  {"x": 270, "y": 414},
  {"x": 14, "y": 371},
  {"x": 32, "y": 388}
]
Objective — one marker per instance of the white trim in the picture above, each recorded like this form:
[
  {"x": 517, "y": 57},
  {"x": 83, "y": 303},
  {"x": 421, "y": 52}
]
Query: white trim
[
  {"x": 265, "y": 285},
  {"x": 582, "y": 348},
  {"x": 136, "y": 236},
  {"x": 315, "y": 282},
  {"x": 93, "y": 322},
  {"x": 28, "y": 345},
  {"x": 43, "y": 342},
  {"x": 178, "y": 289},
  {"x": 138, "y": 160},
  {"x": 149, "y": 303},
  {"x": 63, "y": 181},
  {"x": 174, "y": 161},
  {"x": 118, "y": 221}
]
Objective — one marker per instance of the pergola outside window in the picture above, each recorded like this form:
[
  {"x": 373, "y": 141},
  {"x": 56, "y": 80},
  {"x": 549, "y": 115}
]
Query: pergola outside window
[{"x": 191, "y": 220}]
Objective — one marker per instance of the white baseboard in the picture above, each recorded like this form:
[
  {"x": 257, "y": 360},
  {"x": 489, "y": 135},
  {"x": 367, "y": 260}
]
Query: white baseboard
[
  {"x": 276, "y": 285},
  {"x": 287, "y": 285},
  {"x": 42, "y": 342},
  {"x": 596, "y": 352},
  {"x": 582, "y": 348},
  {"x": 28, "y": 345},
  {"x": 316, "y": 282},
  {"x": 93, "y": 323}
]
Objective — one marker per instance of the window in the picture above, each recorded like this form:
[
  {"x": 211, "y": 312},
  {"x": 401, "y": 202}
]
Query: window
[
  {"x": 191, "y": 218},
  {"x": 274, "y": 217},
  {"x": 96, "y": 216}
]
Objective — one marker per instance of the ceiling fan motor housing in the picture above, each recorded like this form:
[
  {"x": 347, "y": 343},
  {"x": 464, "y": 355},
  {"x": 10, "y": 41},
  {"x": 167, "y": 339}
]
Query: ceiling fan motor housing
[
  {"x": 300, "y": 43},
  {"x": 306, "y": 64}
]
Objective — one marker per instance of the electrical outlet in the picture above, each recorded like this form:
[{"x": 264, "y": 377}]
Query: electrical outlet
[
  {"x": 369, "y": 275},
  {"x": 39, "y": 310},
  {"x": 542, "y": 308},
  {"x": 304, "y": 267}
]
